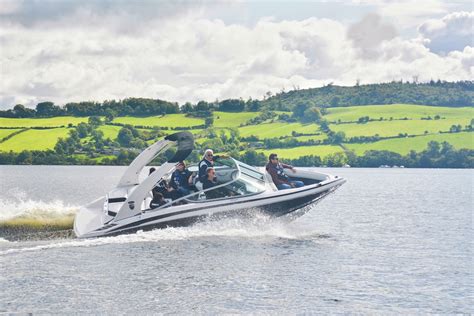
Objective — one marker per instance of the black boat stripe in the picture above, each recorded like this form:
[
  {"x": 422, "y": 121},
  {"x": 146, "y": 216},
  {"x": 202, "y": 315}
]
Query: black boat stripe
[
  {"x": 168, "y": 223},
  {"x": 201, "y": 208}
]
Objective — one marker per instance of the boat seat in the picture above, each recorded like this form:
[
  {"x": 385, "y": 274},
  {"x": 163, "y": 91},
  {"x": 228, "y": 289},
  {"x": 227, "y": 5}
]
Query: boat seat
[{"x": 198, "y": 185}]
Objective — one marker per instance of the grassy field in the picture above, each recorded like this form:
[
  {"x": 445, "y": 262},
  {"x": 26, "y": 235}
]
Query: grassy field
[
  {"x": 419, "y": 143},
  {"x": 396, "y": 111},
  {"x": 42, "y": 122},
  {"x": 34, "y": 140},
  {"x": 109, "y": 131},
  {"x": 321, "y": 137},
  {"x": 278, "y": 129},
  {"x": 226, "y": 131},
  {"x": 169, "y": 120},
  {"x": 5, "y": 132},
  {"x": 46, "y": 139},
  {"x": 192, "y": 131},
  {"x": 321, "y": 151},
  {"x": 227, "y": 119},
  {"x": 393, "y": 128}
]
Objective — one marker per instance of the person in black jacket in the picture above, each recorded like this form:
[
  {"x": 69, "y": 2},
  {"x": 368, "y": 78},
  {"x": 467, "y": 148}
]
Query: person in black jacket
[
  {"x": 158, "y": 200},
  {"x": 163, "y": 188},
  {"x": 210, "y": 182},
  {"x": 207, "y": 161}
]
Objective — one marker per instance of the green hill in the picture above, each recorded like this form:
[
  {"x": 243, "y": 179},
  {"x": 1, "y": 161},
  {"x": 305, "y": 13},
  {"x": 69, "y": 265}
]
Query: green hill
[
  {"x": 404, "y": 145},
  {"x": 398, "y": 128},
  {"x": 439, "y": 93},
  {"x": 59, "y": 121},
  {"x": 34, "y": 140},
  {"x": 396, "y": 111}
]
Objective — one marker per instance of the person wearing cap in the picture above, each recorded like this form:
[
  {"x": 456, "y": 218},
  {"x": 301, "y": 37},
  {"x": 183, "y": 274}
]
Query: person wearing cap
[
  {"x": 276, "y": 170},
  {"x": 181, "y": 179}
]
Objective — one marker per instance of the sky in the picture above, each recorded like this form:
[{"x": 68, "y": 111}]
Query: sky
[{"x": 186, "y": 51}]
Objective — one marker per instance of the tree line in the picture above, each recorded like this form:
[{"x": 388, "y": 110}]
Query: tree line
[
  {"x": 436, "y": 155},
  {"x": 306, "y": 104},
  {"x": 435, "y": 93}
]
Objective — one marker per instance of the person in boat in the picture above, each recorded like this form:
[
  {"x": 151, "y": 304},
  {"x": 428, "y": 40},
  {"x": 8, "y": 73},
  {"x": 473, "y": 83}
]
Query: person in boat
[
  {"x": 207, "y": 161},
  {"x": 163, "y": 188},
  {"x": 276, "y": 170},
  {"x": 181, "y": 179},
  {"x": 158, "y": 200},
  {"x": 152, "y": 169},
  {"x": 210, "y": 182}
]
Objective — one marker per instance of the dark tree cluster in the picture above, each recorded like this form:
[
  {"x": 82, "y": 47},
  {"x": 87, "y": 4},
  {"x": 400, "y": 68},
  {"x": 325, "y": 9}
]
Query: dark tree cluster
[
  {"x": 270, "y": 143},
  {"x": 436, "y": 155},
  {"x": 262, "y": 117},
  {"x": 306, "y": 112},
  {"x": 109, "y": 109},
  {"x": 439, "y": 93},
  {"x": 204, "y": 109}
]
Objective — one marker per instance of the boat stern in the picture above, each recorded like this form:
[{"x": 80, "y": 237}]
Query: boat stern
[{"x": 89, "y": 218}]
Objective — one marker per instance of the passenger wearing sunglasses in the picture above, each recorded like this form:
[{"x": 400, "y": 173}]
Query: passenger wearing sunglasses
[
  {"x": 207, "y": 162},
  {"x": 276, "y": 170}
]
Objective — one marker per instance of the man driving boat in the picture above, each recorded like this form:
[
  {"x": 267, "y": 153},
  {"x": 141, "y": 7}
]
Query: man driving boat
[{"x": 276, "y": 170}]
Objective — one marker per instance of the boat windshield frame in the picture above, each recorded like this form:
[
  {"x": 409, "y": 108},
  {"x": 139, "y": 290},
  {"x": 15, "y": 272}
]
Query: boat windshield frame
[{"x": 253, "y": 178}]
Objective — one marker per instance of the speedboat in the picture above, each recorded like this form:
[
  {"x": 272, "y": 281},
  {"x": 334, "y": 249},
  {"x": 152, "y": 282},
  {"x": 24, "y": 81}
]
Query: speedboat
[{"x": 243, "y": 190}]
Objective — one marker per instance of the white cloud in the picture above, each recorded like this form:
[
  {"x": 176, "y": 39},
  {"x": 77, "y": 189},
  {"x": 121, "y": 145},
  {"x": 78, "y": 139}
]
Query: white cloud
[
  {"x": 407, "y": 14},
  {"x": 98, "y": 56},
  {"x": 452, "y": 32},
  {"x": 369, "y": 33},
  {"x": 466, "y": 57},
  {"x": 10, "y": 6}
]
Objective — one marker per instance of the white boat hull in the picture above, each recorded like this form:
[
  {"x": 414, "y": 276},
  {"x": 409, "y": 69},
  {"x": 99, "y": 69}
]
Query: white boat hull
[{"x": 292, "y": 202}]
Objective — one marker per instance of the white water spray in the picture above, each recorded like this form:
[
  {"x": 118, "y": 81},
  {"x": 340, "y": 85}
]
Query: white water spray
[{"x": 257, "y": 227}]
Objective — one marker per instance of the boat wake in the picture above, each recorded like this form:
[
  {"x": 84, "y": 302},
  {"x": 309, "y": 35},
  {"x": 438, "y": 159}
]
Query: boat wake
[
  {"x": 22, "y": 219},
  {"x": 257, "y": 227}
]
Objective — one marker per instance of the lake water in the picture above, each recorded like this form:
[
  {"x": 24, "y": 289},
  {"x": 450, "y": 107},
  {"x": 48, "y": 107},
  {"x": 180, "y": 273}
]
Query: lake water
[{"x": 388, "y": 241}]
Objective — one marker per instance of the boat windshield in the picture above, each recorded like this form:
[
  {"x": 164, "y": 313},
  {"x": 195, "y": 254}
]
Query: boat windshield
[
  {"x": 251, "y": 172},
  {"x": 233, "y": 179}
]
